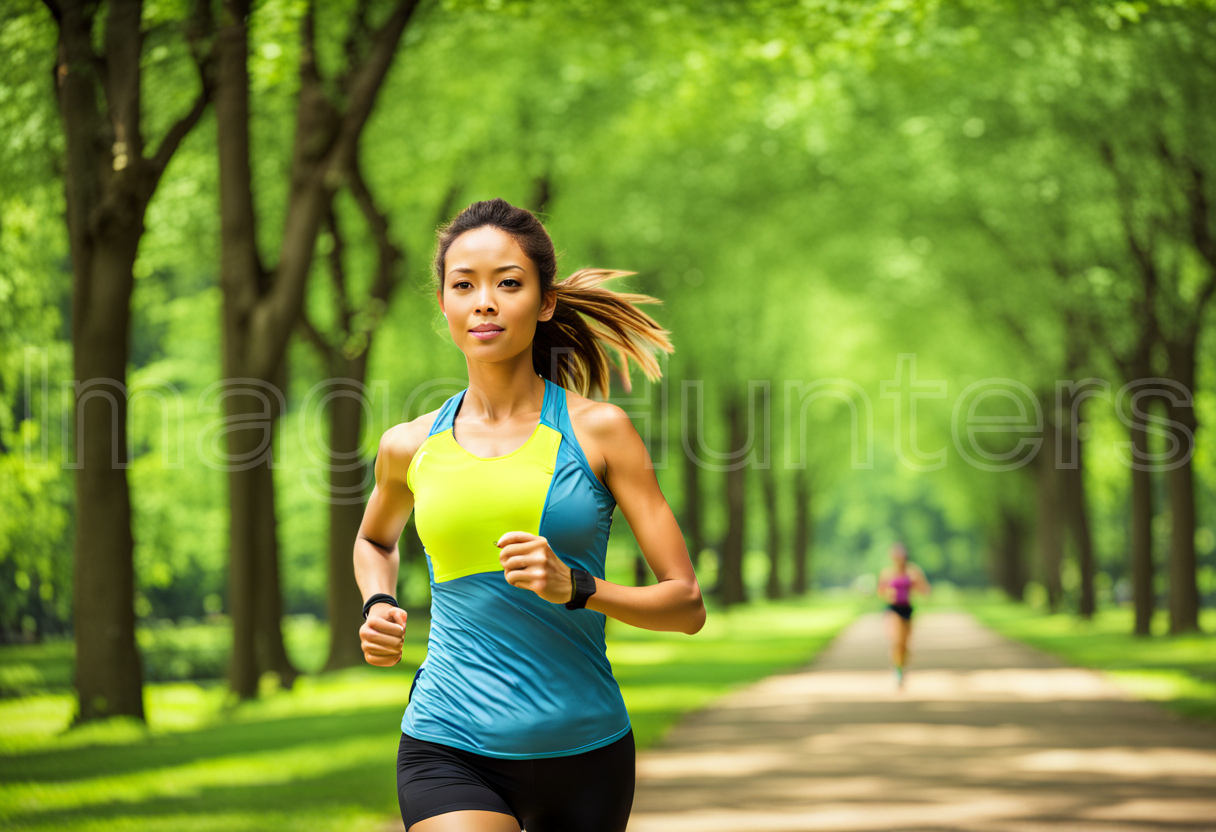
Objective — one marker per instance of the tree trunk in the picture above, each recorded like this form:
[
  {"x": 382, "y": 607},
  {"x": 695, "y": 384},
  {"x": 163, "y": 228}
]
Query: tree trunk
[
  {"x": 1140, "y": 534},
  {"x": 348, "y": 476},
  {"x": 730, "y": 580},
  {"x": 261, "y": 306},
  {"x": 1184, "y": 590},
  {"x": 108, "y": 183},
  {"x": 251, "y": 530},
  {"x": 691, "y": 524},
  {"x": 641, "y": 570},
  {"x": 411, "y": 545},
  {"x": 1072, "y": 481},
  {"x": 345, "y": 480},
  {"x": 1012, "y": 567},
  {"x": 244, "y": 510},
  {"x": 109, "y": 678},
  {"x": 772, "y": 589},
  {"x": 803, "y": 522},
  {"x": 1051, "y": 543}
]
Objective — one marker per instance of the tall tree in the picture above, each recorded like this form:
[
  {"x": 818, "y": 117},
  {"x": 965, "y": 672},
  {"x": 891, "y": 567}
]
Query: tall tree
[
  {"x": 110, "y": 177},
  {"x": 262, "y": 304},
  {"x": 731, "y": 585},
  {"x": 344, "y": 353},
  {"x": 1050, "y": 522},
  {"x": 691, "y": 522},
  {"x": 803, "y": 532},
  {"x": 773, "y": 543},
  {"x": 1011, "y": 567}
]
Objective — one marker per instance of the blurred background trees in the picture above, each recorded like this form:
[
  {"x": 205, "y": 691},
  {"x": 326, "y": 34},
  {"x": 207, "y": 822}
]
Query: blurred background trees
[{"x": 1014, "y": 195}]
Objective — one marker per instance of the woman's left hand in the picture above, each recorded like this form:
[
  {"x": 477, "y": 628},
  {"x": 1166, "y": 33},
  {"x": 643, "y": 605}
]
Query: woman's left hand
[{"x": 529, "y": 563}]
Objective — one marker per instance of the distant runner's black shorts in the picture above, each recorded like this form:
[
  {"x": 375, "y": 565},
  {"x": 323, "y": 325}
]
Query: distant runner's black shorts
[
  {"x": 904, "y": 611},
  {"x": 588, "y": 792}
]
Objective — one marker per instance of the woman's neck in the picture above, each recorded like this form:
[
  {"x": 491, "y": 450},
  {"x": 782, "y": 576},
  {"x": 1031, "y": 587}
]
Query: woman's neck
[{"x": 497, "y": 392}]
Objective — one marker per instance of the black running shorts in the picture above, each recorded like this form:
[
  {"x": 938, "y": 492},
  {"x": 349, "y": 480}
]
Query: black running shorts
[
  {"x": 904, "y": 611},
  {"x": 588, "y": 792}
]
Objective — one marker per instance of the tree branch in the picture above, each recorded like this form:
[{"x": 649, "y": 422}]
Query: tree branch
[
  {"x": 366, "y": 82},
  {"x": 201, "y": 25},
  {"x": 337, "y": 271},
  {"x": 356, "y": 42},
  {"x": 314, "y": 337},
  {"x": 55, "y": 9},
  {"x": 377, "y": 221},
  {"x": 322, "y": 156}
]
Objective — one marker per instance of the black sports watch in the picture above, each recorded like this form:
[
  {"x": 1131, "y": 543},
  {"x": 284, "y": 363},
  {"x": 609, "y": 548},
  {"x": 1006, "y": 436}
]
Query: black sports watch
[
  {"x": 378, "y": 598},
  {"x": 584, "y": 588}
]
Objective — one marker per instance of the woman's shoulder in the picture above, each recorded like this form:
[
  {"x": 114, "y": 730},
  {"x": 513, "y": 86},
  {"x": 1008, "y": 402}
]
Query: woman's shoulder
[
  {"x": 603, "y": 421},
  {"x": 399, "y": 443}
]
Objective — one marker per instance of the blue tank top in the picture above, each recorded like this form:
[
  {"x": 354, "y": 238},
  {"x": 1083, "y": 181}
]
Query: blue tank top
[{"x": 507, "y": 673}]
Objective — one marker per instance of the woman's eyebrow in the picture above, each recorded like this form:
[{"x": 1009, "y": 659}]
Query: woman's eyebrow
[{"x": 467, "y": 270}]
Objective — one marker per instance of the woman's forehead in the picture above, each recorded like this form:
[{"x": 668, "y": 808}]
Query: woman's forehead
[{"x": 485, "y": 246}]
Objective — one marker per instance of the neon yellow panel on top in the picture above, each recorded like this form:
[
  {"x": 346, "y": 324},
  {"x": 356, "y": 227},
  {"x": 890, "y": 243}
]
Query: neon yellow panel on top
[{"x": 464, "y": 503}]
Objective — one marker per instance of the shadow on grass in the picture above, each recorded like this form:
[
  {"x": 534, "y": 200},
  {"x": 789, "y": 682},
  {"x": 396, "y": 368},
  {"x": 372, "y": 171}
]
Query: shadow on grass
[
  {"x": 369, "y": 785},
  {"x": 225, "y": 739}
]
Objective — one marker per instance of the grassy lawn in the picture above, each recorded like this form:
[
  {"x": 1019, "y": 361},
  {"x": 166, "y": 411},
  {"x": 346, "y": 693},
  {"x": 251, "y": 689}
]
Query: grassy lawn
[
  {"x": 321, "y": 757},
  {"x": 1177, "y": 671}
]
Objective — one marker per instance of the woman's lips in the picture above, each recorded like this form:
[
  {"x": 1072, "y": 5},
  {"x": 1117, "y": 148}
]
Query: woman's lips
[{"x": 485, "y": 334}]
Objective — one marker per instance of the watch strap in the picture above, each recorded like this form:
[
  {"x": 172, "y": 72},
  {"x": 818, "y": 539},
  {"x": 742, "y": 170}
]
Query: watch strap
[
  {"x": 584, "y": 588},
  {"x": 378, "y": 598}
]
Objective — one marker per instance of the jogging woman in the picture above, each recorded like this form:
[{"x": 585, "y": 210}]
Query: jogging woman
[
  {"x": 895, "y": 585},
  {"x": 514, "y": 719}
]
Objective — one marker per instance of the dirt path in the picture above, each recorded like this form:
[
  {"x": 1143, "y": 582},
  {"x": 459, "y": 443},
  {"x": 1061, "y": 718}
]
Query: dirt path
[{"x": 986, "y": 736}]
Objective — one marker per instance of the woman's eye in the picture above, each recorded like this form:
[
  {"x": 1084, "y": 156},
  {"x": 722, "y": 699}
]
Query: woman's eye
[
  {"x": 511, "y": 281},
  {"x": 462, "y": 284}
]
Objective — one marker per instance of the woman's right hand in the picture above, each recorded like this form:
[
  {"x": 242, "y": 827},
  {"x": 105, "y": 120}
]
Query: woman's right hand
[{"x": 383, "y": 635}]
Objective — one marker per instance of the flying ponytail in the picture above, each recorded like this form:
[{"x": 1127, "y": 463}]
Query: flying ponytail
[{"x": 571, "y": 348}]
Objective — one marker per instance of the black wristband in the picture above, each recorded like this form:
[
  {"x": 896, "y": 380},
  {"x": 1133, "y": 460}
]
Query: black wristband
[
  {"x": 584, "y": 588},
  {"x": 379, "y": 597}
]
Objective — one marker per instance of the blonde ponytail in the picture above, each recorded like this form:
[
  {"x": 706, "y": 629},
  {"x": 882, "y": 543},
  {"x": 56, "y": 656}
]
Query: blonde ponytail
[{"x": 570, "y": 349}]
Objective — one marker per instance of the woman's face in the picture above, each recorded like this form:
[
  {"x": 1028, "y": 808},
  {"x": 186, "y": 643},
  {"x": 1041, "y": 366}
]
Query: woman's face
[{"x": 491, "y": 295}]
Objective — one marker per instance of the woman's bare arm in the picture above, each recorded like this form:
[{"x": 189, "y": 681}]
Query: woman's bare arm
[
  {"x": 674, "y": 603},
  {"x": 882, "y": 590},
  {"x": 376, "y": 557}
]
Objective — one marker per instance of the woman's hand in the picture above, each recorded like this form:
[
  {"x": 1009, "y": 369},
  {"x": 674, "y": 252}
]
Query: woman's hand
[
  {"x": 383, "y": 635},
  {"x": 529, "y": 563}
]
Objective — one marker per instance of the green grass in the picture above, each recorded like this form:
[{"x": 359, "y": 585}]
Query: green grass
[
  {"x": 320, "y": 756},
  {"x": 171, "y": 653},
  {"x": 1177, "y": 671}
]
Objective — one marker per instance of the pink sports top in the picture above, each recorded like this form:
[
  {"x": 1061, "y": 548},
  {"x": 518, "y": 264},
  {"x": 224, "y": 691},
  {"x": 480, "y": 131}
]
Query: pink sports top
[{"x": 903, "y": 586}]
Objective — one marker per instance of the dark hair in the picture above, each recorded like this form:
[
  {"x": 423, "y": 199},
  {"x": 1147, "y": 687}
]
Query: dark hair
[{"x": 569, "y": 349}]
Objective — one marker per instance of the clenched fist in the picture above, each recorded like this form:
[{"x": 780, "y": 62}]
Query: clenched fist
[
  {"x": 529, "y": 563},
  {"x": 383, "y": 635}
]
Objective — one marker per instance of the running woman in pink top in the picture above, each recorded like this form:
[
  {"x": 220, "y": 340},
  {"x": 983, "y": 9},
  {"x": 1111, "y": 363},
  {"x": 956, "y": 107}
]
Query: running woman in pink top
[{"x": 895, "y": 585}]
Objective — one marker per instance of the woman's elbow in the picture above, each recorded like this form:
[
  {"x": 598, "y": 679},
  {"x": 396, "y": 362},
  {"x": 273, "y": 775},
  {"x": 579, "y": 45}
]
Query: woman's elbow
[{"x": 697, "y": 614}]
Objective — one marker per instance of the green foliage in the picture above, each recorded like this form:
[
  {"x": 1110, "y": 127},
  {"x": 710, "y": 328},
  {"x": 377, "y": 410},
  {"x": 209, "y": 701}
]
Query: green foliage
[{"x": 812, "y": 189}]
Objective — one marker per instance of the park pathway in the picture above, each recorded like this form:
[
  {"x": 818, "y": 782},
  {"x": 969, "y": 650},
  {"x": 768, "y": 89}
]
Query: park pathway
[{"x": 987, "y": 735}]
